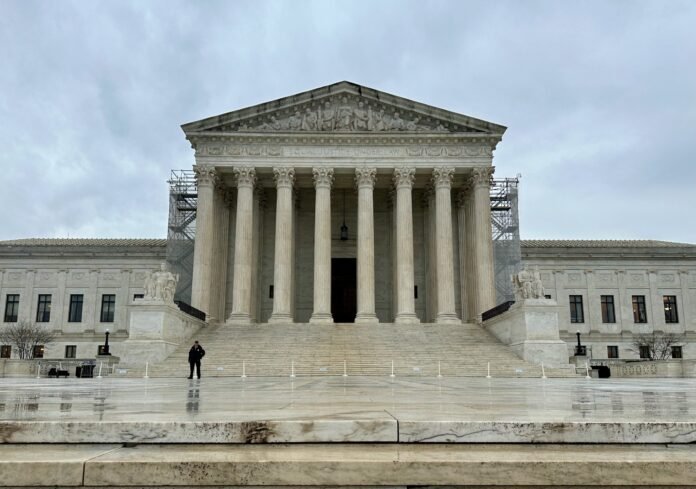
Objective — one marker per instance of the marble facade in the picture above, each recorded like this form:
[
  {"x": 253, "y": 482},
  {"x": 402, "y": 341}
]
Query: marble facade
[{"x": 278, "y": 175}]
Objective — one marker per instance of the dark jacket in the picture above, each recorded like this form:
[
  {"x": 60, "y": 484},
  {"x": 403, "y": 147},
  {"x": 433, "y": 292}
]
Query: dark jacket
[{"x": 196, "y": 353}]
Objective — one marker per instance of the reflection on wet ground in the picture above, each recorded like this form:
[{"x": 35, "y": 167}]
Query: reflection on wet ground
[{"x": 464, "y": 399}]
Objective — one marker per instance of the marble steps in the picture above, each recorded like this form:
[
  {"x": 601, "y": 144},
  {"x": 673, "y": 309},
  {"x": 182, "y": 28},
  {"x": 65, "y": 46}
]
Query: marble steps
[{"x": 320, "y": 350}]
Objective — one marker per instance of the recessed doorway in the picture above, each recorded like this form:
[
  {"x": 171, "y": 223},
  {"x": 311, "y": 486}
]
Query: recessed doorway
[{"x": 344, "y": 303}]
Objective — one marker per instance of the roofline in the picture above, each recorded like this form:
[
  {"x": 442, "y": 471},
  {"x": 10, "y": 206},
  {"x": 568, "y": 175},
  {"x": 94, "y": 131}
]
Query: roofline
[{"x": 335, "y": 88}]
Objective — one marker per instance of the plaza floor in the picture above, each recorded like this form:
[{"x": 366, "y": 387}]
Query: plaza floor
[{"x": 352, "y": 409}]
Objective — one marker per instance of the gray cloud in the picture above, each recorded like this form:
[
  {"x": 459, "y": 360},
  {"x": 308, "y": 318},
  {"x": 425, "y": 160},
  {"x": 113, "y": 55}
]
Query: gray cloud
[{"x": 599, "y": 98}]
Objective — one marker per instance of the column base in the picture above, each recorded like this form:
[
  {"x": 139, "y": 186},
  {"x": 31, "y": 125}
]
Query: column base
[
  {"x": 447, "y": 318},
  {"x": 407, "y": 318},
  {"x": 239, "y": 318},
  {"x": 321, "y": 317},
  {"x": 366, "y": 318},
  {"x": 280, "y": 318}
]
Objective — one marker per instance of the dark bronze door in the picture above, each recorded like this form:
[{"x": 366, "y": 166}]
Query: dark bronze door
[{"x": 344, "y": 303}]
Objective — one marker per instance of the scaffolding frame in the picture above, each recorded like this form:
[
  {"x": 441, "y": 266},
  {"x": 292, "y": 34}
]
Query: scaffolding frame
[
  {"x": 181, "y": 229},
  {"x": 505, "y": 227}
]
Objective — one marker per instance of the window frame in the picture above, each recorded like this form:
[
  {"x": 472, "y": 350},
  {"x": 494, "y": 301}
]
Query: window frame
[
  {"x": 677, "y": 348},
  {"x": 608, "y": 309},
  {"x": 11, "y": 316},
  {"x": 639, "y": 307},
  {"x": 43, "y": 308},
  {"x": 108, "y": 308},
  {"x": 575, "y": 302},
  {"x": 5, "y": 351},
  {"x": 612, "y": 351},
  {"x": 38, "y": 351},
  {"x": 670, "y": 307},
  {"x": 70, "y": 351},
  {"x": 644, "y": 352},
  {"x": 76, "y": 308}
]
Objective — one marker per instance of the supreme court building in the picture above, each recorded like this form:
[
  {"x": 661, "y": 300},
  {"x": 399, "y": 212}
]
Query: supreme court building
[{"x": 343, "y": 204}]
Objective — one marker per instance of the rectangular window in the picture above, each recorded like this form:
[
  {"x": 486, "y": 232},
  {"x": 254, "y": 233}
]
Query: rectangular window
[
  {"x": 576, "y": 313},
  {"x": 5, "y": 351},
  {"x": 547, "y": 296},
  {"x": 676, "y": 352},
  {"x": 612, "y": 352},
  {"x": 75, "y": 312},
  {"x": 644, "y": 351},
  {"x": 608, "y": 315},
  {"x": 640, "y": 314},
  {"x": 138, "y": 296},
  {"x": 108, "y": 307},
  {"x": 38, "y": 351},
  {"x": 70, "y": 351},
  {"x": 43, "y": 310},
  {"x": 671, "y": 315},
  {"x": 11, "y": 308}
]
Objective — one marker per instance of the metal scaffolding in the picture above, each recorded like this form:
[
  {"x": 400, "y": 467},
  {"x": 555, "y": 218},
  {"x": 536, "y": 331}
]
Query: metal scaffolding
[
  {"x": 505, "y": 224},
  {"x": 181, "y": 232}
]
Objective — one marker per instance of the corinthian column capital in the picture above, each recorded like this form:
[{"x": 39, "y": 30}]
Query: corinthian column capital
[
  {"x": 442, "y": 176},
  {"x": 284, "y": 176},
  {"x": 323, "y": 177},
  {"x": 404, "y": 176},
  {"x": 206, "y": 175},
  {"x": 246, "y": 176},
  {"x": 365, "y": 177},
  {"x": 482, "y": 176}
]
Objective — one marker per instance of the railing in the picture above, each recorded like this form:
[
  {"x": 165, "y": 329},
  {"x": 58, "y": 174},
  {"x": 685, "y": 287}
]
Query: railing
[
  {"x": 190, "y": 310},
  {"x": 497, "y": 310}
]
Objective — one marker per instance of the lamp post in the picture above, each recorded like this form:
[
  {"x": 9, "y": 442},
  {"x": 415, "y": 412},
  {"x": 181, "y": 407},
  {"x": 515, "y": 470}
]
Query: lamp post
[
  {"x": 106, "y": 343},
  {"x": 579, "y": 349}
]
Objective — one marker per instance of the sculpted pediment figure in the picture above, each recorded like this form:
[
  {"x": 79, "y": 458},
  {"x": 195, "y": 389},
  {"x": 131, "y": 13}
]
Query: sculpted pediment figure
[{"x": 340, "y": 108}]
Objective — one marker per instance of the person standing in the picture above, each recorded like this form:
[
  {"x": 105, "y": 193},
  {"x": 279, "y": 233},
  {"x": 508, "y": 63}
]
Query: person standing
[{"x": 196, "y": 353}]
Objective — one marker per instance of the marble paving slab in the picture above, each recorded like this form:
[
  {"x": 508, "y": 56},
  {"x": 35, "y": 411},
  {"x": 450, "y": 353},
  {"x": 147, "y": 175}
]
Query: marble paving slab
[
  {"x": 56, "y": 465},
  {"x": 394, "y": 464},
  {"x": 353, "y": 409}
]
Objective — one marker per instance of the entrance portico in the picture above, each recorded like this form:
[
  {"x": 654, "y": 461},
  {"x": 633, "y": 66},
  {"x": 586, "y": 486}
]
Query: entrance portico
[{"x": 343, "y": 152}]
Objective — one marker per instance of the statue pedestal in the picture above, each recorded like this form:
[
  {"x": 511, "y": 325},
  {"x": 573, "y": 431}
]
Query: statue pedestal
[
  {"x": 530, "y": 328},
  {"x": 156, "y": 330}
]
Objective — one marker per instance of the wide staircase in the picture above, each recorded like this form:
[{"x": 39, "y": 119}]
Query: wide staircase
[{"x": 282, "y": 350}]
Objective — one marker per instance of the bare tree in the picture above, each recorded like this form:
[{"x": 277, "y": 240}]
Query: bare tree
[
  {"x": 659, "y": 344},
  {"x": 25, "y": 336}
]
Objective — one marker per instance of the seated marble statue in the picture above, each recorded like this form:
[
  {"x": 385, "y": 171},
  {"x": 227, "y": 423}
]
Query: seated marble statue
[
  {"x": 160, "y": 285},
  {"x": 528, "y": 284}
]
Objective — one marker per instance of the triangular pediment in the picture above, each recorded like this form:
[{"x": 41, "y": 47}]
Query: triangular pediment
[{"x": 342, "y": 107}]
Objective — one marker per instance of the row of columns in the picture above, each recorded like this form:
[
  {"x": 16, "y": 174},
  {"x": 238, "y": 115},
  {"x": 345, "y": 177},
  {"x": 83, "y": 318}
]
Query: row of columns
[{"x": 475, "y": 254}]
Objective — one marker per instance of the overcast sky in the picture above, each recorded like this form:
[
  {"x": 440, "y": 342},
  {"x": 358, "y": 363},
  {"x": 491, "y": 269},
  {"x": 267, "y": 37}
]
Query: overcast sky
[{"x": 599, "y": 99}]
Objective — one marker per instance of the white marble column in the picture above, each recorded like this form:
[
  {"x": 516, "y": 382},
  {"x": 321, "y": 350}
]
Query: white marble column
[
  {"x": 469, "y": 258},
  {"x": 257, "y": 239},
  {"x": 323, "y": 179},
  {"x": 463, "y": 268},
  {"x": 483, "y": 240},
  {"x": 405, "y": 281},
  {"x": 219, "y": 275},
  {"x": 282, "y": 266},
  {"x": 243, "y": 246},
  {"x": 430, "y": 260},
  {"x": 365, "y": 181},
  {"x": 206, "y": 178},
  {"x": 442, "y": 182}
]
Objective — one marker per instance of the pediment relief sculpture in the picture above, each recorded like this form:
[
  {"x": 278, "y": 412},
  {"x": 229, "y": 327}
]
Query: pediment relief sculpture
[{"x": 344, "y": 114}]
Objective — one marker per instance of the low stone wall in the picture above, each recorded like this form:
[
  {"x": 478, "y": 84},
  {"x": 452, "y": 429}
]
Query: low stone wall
[
  {"x": 530, "y": 328},
  {"x": 17, "y": 368},
  {"x": 156, "y": 331},
  {"x": 656, "y": 368}
]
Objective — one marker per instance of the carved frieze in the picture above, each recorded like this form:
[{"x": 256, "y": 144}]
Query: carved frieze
[
  {"x": 323, "y": 177},
  {"x": 347, "y": 113}
]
